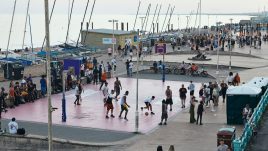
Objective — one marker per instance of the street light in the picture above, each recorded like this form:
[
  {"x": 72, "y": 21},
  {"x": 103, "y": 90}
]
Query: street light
[
  {"x": 113, "y": 41},
  {"x": 229, "y": 44}
]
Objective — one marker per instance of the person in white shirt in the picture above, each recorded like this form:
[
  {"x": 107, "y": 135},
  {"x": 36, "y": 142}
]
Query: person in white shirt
[
  {"x": 130, "y": 67},
  {"x": 114, "y": 63},
  {"x": 148, "y": 104},
  {"x": 13, "y": 126},
  {"x": 124, "y": 106},
  {"x": 230, "y": 79},
  {"x": 246, "y": 113},
  {"x": 105, "y": 92},
  {"x": 109, "y": 104}
]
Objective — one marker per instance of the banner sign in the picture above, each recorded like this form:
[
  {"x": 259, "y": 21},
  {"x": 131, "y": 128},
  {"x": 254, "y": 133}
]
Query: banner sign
[
  {"x": 160, "y": 48},
  {"x": 109, "y": 40}
]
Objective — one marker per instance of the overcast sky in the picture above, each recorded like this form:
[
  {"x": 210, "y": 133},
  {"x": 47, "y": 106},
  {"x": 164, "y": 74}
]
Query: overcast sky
[{"x": 130, "y": 6}]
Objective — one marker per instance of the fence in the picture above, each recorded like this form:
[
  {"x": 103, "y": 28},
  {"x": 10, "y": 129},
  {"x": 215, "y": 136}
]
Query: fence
[{"x": 241, "y": 143}]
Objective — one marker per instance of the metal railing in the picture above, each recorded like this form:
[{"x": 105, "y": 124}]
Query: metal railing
[{"x": 240, "y": 144}]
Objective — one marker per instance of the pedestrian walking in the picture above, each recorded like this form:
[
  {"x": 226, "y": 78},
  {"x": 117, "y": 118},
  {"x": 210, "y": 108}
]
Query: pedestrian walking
[
  {"x": 247, "y": 112},
  {"x": 127, "y": 67},
  {"x": 191, "y": 88},
  {"x": 95, "y": 75},
  {"x": 169, "y": 100},
  {"x": 130, "y": 67},
  {"x": 105, "y": 92},
  {"x": 124, "y": 106},
  {"x": 200, "y": 110},
  {"x": 114, "y": 64},
  {"x": 223, "y": 90},
  {"x": 109, "y": 104},
  {"x": 117, "y": 88},
  {"x": 215, "y": 94},
  {"x": 236, "y": 80},
  {"x": 182, "y": 92},
  {"x": 206, "y": 95},
  {"x": 192, "y": 106},
  {"x": 77, "y": 95},
  {"x": 148, "y": 104},
  {"x": 43, "y": 84},
  {"x": 164, "y": 115},
  {"x": 103, "y": 78}
]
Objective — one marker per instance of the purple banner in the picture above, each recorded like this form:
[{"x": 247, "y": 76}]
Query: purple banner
[{"x": 160, "y": 48}]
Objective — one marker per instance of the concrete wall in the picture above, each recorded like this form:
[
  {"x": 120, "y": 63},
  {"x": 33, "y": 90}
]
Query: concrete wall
[
  {"x": 37, "y": 143},
  {"x": 95, "y": 40}
]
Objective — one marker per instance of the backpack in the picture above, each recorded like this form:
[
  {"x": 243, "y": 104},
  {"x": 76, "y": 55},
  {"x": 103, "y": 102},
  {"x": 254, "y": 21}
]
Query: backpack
[{"x": 21, "y": 131}]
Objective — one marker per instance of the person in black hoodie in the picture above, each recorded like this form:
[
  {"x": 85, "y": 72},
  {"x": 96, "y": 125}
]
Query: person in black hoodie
[{"x": 200, "y": 111}]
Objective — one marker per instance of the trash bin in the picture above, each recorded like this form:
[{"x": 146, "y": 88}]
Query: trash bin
[
  {"x": 13, "y": 71},
  {"x": 226, "y": 134}
]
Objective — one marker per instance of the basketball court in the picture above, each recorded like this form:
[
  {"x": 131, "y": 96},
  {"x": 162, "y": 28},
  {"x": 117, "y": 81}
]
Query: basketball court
[{"x": 91, "y": 113}]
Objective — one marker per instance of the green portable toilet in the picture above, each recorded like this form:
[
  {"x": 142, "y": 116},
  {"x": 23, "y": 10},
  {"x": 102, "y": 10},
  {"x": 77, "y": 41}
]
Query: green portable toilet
[{"x": 237, "y": 98}]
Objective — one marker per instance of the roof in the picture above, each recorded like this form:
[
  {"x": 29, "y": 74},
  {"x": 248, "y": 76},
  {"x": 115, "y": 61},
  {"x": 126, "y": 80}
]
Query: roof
[
  {"x": 110, "y": 31},
  {"x": 243, "y": 90}
]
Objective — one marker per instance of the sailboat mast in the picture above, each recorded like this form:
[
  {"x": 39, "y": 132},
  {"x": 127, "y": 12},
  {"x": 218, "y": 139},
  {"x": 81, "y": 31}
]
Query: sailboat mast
[
  {"x": 14, "y": 8},
  {"x": 27, "y": 13},
  {"x": 30, "y": 25},
  {"x": 54, "y": 3},
  {"x": 92, "y": 9},
  {"x": 153, "y": 18},
  {"x": 137, "y": 15},
  {"x": 165, "y": 18},
  {"x": 82, "y": 23},
  {"x": 171, "y": 13},
  {"x": 69, "y": 21}
]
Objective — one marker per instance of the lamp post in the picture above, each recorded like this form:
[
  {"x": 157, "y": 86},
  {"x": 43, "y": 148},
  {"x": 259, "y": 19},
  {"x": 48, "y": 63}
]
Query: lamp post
[
  {"x": 113, "y": 41},
  {"x": 64, "y": 73},
  {"x": 229, "y": 45},
  {"x": 137, "y": 88}
]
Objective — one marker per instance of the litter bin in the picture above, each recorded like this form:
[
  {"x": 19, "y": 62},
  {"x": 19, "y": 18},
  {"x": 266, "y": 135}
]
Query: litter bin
[
  {"x": 226, "y": 134},
  {"x": 14, "y": 71}
]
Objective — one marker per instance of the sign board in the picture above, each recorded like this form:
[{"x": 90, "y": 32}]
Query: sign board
[
  {"x": 109, "y": 40},
  {"x": 160, "y": 48}
]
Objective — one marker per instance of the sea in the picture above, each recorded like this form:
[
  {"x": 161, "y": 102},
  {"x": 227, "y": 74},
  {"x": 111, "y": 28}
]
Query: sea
[{"x": 59, "y": 24}]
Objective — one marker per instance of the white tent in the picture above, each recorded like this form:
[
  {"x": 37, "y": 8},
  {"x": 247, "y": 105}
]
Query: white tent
[{"x": 244, "y": 90}]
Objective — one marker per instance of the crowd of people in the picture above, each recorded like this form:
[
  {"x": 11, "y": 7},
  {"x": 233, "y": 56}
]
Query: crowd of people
[{"x": 21, "y": 92}]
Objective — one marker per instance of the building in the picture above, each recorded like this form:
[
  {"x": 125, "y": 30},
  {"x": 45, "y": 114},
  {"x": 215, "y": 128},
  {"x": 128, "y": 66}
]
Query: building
[{"x": 102, "y": 38}]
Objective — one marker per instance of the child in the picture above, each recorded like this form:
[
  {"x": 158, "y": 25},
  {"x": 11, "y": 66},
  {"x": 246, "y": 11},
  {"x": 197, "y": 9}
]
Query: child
[
  {"x": 164, "y": 113},
  {"x": 109, "y": 104}
]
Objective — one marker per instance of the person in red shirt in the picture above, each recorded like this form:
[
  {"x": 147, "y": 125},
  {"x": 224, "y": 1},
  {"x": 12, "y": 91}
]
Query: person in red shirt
[{"x": 12, "y": 96}]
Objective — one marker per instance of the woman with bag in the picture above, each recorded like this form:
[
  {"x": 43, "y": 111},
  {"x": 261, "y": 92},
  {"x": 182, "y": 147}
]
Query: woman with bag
[{"x": 215, "y": 94}]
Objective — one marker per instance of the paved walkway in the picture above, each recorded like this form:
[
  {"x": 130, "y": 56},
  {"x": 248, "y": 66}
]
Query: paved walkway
[{"x": 178, "y": 132}]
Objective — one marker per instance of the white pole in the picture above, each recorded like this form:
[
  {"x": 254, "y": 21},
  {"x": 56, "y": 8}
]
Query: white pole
[
  {"x": 113, "y": 37},
  {"x": 137, "y": 95},
  {"x": 199, "y": 28},
  {"x": 50, "y": 145},
  {"x": 25, "y": 24},
  {"x": 230, "y": 46}
]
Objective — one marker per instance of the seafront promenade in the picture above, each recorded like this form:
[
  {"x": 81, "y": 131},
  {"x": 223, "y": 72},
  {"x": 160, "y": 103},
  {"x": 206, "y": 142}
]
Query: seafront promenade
[{"x": 84, "y": 124}]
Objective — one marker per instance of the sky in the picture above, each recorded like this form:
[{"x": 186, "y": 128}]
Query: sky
[{"x": 130, "y": 6}]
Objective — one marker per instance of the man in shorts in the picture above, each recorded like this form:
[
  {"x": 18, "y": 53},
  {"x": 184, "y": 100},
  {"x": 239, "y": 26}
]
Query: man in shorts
[
  {"x": 109, "y": 104},
  {"x": 117, "y": 87},
  {"x": 124, "y": 106},
  {"x": 148, "y": 104},
  {"x": 169, "y": 97}
]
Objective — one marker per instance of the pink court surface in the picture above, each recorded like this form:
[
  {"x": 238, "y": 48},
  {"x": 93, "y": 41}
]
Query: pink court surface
[{"x": 91, "y": 113}]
